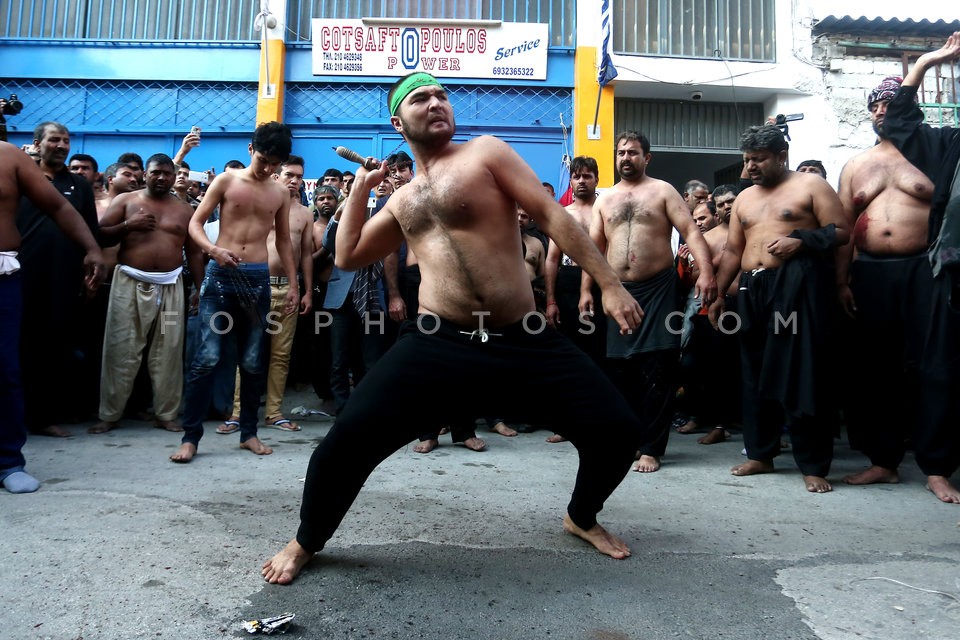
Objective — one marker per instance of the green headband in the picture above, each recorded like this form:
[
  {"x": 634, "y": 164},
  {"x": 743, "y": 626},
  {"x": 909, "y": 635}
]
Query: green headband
[{"x": 407, "y": 85}]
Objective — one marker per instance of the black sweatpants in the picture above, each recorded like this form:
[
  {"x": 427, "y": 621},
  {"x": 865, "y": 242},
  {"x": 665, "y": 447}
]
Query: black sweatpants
[{"x": 455, "y": 373}]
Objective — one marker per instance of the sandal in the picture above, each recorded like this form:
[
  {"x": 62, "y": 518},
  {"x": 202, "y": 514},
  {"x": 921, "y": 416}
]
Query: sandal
[
  {"x": 283, "y": 424},
  {"x": 228, "y": 427}
]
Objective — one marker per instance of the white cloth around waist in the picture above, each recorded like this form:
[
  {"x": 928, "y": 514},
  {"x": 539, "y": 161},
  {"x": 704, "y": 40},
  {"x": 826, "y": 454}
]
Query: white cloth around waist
[
  {"x": 8, "y": 263},
  {"x": 152, "y": 277}
]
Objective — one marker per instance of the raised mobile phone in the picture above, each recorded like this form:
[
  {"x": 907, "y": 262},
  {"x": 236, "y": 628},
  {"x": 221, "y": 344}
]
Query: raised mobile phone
[
  {"x": 195, "y": 130},
  {"x": 199, "y": 176}
]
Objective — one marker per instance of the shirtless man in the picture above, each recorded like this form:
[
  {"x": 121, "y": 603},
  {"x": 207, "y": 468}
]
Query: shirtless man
[
  {"x": 632, "y": 225},
  {"x": 887, "y": 291},
  {"x": 20, "y": 176},
  {"x": 533, "y": 251},
  {"x": 782, "y": 231},
  {"x": 146, "y": 311},
  {"x": 562, "y": 276},
  {"x": 468, "y": 349},
  {"x": 235, "y": 294},
  {"x": 935, "y": 151},
  {"x": 282, "y": 325}
]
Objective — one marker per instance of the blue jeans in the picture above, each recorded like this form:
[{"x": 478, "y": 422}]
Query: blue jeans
[
  {"x": 13, "y": 429},
  {"x": 233, "y": 308}
]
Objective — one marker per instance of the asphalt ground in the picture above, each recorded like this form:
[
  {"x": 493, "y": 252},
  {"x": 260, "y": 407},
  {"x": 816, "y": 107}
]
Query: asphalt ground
[{"x": 121, "y": 543}]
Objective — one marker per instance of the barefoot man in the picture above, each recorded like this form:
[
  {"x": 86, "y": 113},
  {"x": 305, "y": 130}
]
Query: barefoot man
[
  {"x": 936, "y": 153},
  {"x": 146, "y": 312},
  {"x": 20, "y": 176},
  {"x": 632, "y": 224},
  {"x": 469, "y": 351},
  {"x": 235, "y": 294},
  {"x": 782, "y": 232}
]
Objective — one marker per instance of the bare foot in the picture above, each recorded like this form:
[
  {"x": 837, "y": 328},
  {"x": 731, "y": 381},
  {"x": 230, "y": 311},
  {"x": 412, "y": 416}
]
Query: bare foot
[
  {"x": 816, "y": 484},
  {"x": 717, "y": 434},
  {"x": 185, "y": 453},
  {"x": 604, "y": 541},
  {"x": 253, "y": 444},
  {"x": 752, "y": 467},
  {"x": 425, "y": 446},
  {"x": 941, "y": 487},
  {"x": 689, "y": 427},
  {"x": 555, "y": 438},
  {"x": 103, "y": 427},
  {"x": 444, "y": 431},
  {"x": 647, "y": 464},
  {"x": 286, "y": 565},
  {"x": 873, "y": 475},
  {"x": 503, "y": 429},
  {"x": 52, "y": 431},
  {"x": 168, "y": 425},
  {"x": 474, "y": 444}
]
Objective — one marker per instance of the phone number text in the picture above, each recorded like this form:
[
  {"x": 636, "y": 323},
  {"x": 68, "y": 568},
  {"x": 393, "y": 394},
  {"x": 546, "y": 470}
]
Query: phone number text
[{"x": 513, "y": 71}]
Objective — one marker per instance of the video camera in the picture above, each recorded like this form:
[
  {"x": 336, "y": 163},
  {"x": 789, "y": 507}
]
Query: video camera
[
  {"x": 780, "y": 121},
  {"x": 12, "y": 106}
]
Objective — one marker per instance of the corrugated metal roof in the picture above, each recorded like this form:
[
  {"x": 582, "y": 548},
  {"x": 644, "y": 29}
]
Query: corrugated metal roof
[{"x": 882, "y": 26}]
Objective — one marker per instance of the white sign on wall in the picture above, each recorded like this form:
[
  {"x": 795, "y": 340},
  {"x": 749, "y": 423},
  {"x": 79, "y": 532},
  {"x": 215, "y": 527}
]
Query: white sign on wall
[{"x": 505, "y": 50}]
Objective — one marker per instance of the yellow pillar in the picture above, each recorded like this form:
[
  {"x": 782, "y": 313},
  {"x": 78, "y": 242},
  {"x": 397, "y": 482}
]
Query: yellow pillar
[
  {"x": 585, "y": 92},
  {"x": 273, "y": 54}
]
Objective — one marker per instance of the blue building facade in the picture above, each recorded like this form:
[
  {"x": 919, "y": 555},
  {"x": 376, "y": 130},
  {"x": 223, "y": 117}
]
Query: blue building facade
[{"x": 135, "y": 76}]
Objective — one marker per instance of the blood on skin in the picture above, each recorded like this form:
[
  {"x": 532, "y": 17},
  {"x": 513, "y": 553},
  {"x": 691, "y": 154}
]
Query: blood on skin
[
  {"x": 859, "y": 199},
  {"x": 860, "y": 229}
]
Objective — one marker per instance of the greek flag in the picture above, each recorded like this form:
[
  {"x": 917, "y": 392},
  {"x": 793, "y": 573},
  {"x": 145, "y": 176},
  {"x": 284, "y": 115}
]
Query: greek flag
[{"x": 606, "y": 71}]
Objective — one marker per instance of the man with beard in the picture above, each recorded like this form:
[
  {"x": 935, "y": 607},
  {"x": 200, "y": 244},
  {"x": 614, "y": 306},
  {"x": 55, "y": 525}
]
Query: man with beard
[
  {"x": 935, "y": 151},
  {"x": 19, "y": 176},
  {"x": 781, "y": 239},
  {"x": 53, "y": 316},
  {"x": 146, "y": 310},
  {"x": 469, "y": 349},
  {"x": 632, "y": 225},
  {"x": 562, "y": 275},
  {"x": 886, "y": 290},
  {"x": 712, "y": 357}
]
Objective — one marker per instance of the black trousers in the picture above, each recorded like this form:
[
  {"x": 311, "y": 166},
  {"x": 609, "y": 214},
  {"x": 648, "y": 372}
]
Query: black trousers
[
  {"x": 648, "y": 381},
  {"x": 453, "y": 373},
  {"x": 938, "y": 439},
  {"x": 794, "y": 352},
  {"x": 893, "y": 297}
]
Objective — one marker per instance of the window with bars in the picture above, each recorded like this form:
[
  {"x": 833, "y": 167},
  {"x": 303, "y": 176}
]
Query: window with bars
[
  {"x": 232, "y": 20},
  {"x": 730, "y": 29}
]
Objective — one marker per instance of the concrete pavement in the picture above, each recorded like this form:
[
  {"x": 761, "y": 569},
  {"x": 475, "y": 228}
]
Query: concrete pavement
[{"x": 120, "y": 543}]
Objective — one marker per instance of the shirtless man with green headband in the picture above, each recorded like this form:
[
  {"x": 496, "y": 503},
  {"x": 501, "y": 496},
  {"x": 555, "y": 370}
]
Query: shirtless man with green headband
[{"x": 478, "y": 344}]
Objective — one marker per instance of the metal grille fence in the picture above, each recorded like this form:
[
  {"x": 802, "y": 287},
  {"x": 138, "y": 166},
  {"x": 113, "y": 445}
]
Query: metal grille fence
[
  {"x": 486, "y": 105},
  {"x": 737, "y": 29},
  {"x": 134, "y": 106}
]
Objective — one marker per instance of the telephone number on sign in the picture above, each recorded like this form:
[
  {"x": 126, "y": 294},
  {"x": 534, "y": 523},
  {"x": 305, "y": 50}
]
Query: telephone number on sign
[{"x": 513, "y": 71}]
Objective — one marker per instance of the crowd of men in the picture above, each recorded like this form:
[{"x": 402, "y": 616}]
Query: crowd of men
[{"x": 730, "y": 308}]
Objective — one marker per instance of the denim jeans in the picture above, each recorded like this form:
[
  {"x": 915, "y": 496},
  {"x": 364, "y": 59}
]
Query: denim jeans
[
  {"x": 233, "y": 308},
  {"x": 13, "y": 429}
]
